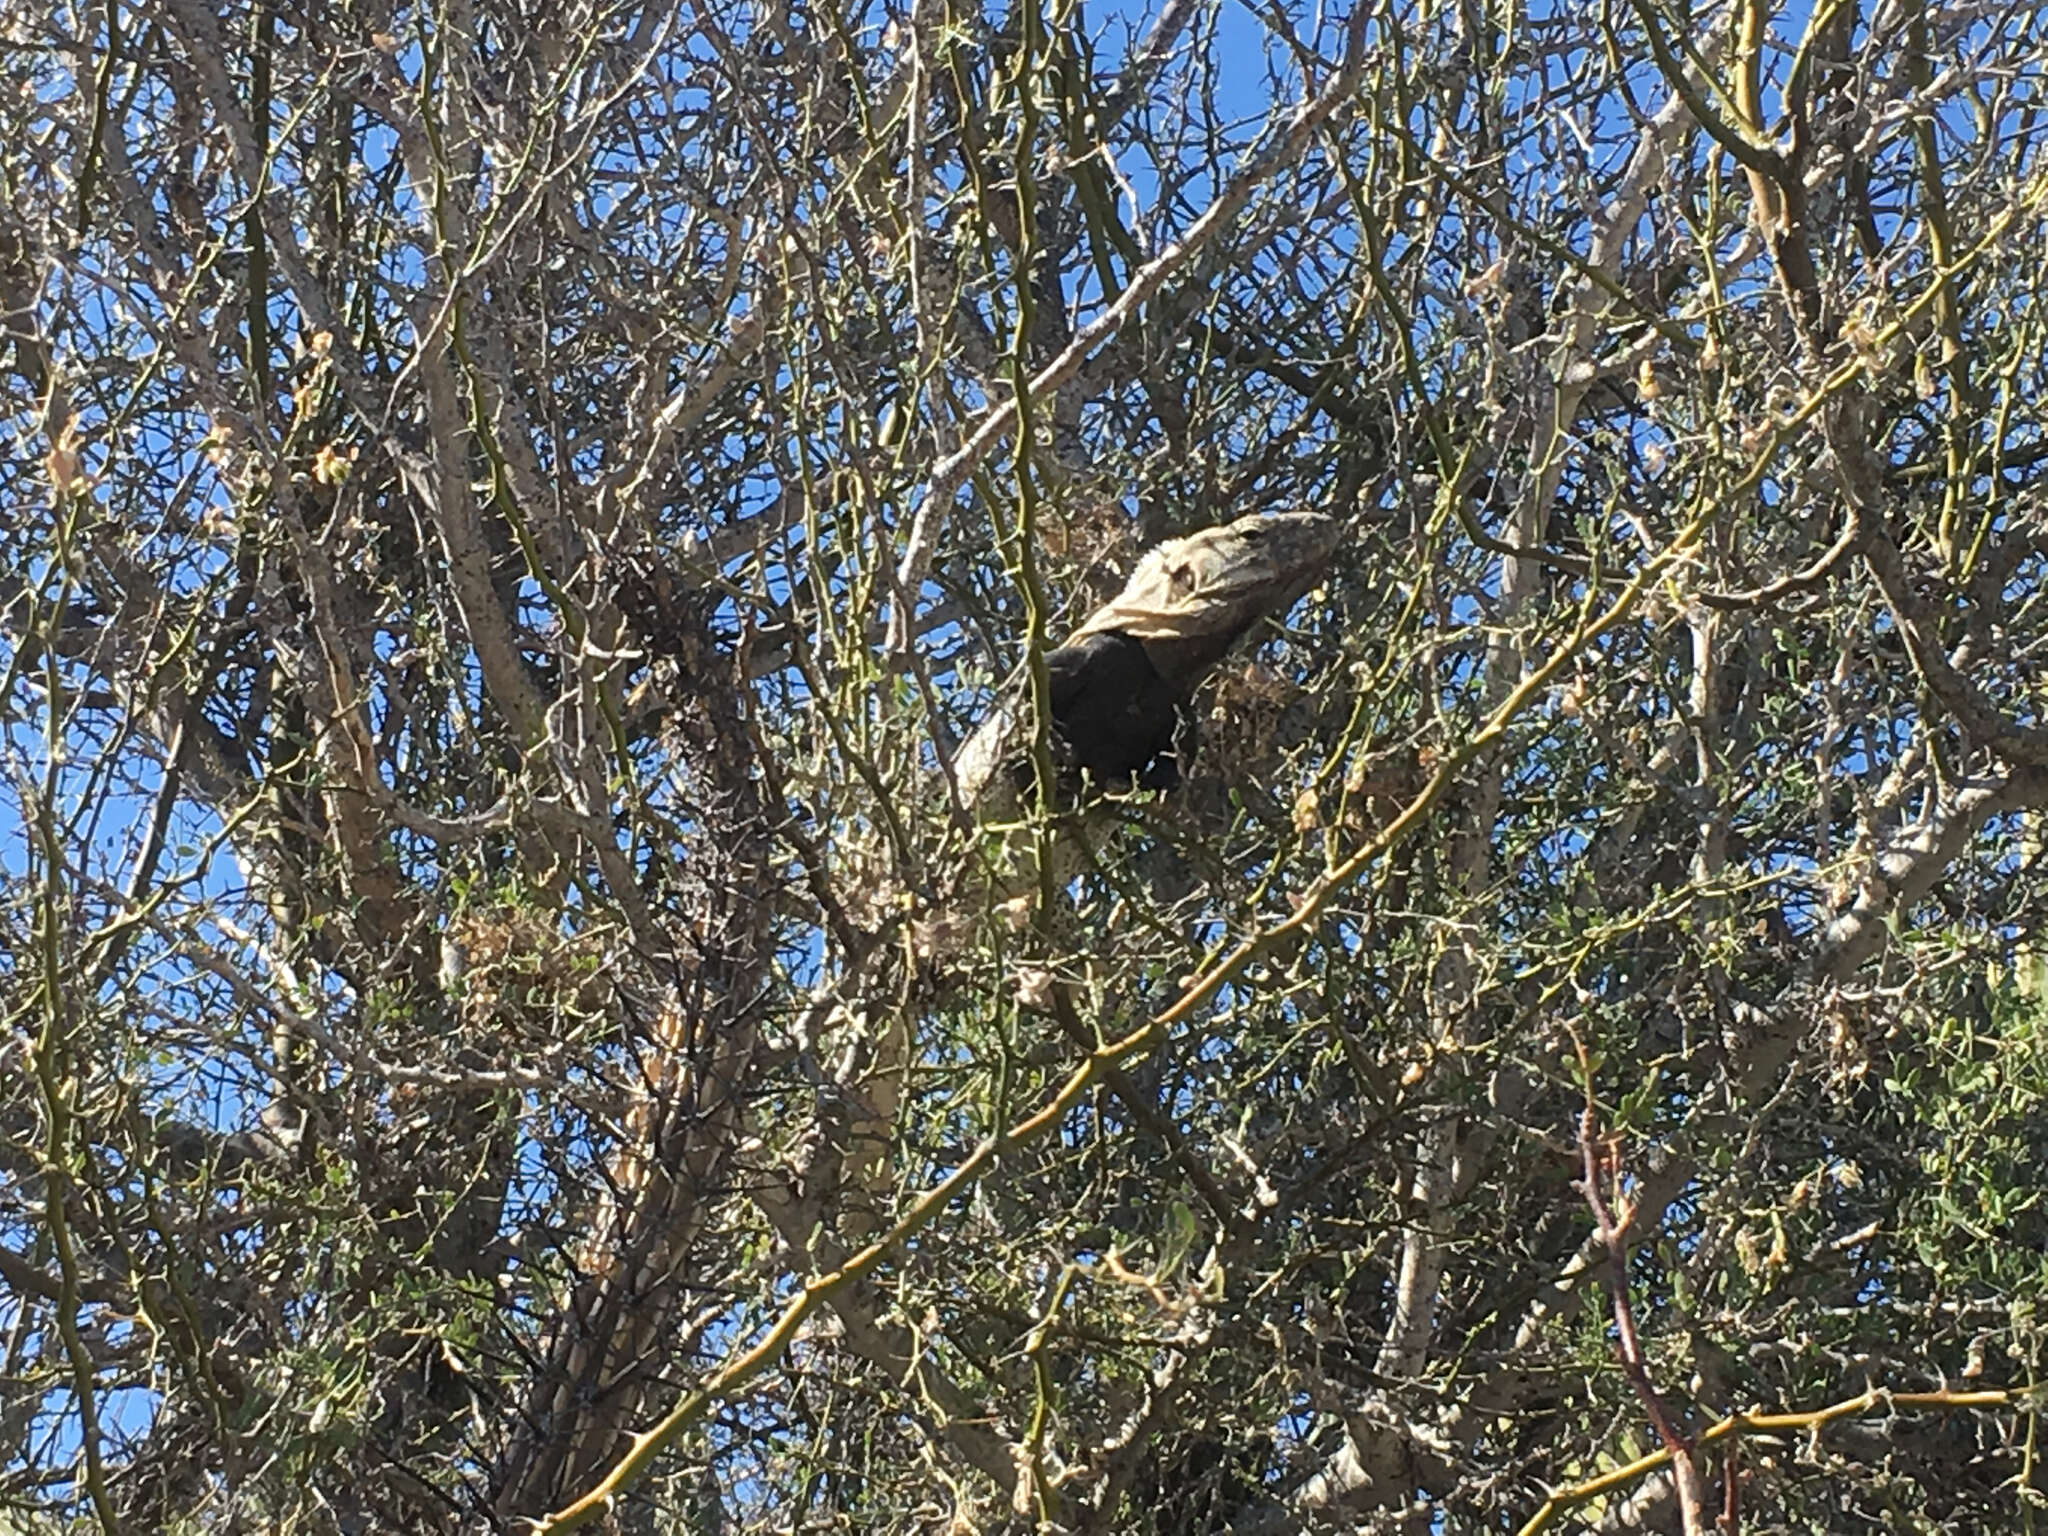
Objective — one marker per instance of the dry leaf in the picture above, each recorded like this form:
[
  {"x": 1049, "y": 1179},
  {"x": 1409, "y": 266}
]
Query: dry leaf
[
  {"x": 1034, "y": 987},
  {"x": 1308, "y": 811}
]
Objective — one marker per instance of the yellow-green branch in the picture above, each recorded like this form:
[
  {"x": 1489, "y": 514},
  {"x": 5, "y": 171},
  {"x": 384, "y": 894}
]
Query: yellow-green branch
[{"x": 1737, "y": 1425}]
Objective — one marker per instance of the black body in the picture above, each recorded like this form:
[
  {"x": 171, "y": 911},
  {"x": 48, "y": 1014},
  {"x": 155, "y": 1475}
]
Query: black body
[
  {"x": 1123, "y": 686},
  {"x": 1115, "y": 716}
]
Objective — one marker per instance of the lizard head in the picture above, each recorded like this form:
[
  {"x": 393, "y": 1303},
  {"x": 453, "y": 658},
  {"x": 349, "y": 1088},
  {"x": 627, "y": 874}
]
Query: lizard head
[{"x": 1191, "y": 598}]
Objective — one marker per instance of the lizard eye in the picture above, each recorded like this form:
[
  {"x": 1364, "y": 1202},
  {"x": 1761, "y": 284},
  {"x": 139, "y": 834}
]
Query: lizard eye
[{"x": 1182, "y": 581}]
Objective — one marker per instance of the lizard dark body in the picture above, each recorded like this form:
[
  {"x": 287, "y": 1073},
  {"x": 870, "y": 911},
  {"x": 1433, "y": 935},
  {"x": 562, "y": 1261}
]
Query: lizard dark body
[
  {"x": 1114, "y": 715},
  {"x": 1123, "y": 683}
]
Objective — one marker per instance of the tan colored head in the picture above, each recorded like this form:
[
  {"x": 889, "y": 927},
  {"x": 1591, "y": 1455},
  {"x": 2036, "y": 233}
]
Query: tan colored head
[{"x": 1189, "y": 599}]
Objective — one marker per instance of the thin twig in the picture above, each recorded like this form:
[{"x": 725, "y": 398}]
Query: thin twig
[{"x": 1599, "y": 1156}]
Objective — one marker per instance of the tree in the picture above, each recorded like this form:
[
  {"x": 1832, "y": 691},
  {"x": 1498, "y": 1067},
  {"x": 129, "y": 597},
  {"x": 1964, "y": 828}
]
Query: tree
[{"x": 513, "y": 513}]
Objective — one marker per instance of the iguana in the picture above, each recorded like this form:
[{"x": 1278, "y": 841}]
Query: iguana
[
  {"x": 1122, "y": 684},
  {"x": 1122, "y": 692}
]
